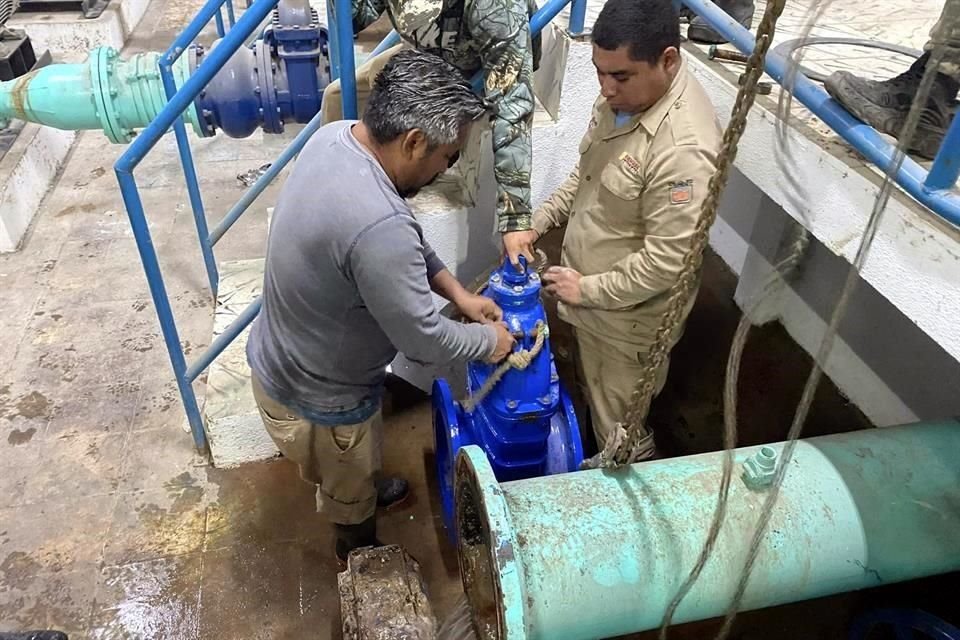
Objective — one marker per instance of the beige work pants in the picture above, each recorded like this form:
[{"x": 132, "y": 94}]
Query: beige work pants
[
  {"x": 342, "y": 461},
  {"x": 607, "y": 371},
  {"x": 332, "y": 106}
]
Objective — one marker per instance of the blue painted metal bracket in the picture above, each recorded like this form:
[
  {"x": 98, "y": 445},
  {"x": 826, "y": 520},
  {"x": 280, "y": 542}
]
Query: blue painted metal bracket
[{"x": 934, "y": 190}]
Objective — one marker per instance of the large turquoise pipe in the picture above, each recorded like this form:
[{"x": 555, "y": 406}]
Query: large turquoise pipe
[
  {"x": 597, "y": 554},
  {"x": 105, "y": 92}
]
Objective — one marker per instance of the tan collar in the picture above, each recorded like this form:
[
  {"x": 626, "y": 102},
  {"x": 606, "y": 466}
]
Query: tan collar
[{"x": 651, "y": 119}]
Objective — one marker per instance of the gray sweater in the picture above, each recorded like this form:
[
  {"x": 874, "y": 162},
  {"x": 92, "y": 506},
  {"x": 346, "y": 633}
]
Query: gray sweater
[{"x": 346, "y": 285}]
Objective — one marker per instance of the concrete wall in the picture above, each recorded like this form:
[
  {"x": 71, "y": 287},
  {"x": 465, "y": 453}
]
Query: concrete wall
[{"x": 896, "y": 366}]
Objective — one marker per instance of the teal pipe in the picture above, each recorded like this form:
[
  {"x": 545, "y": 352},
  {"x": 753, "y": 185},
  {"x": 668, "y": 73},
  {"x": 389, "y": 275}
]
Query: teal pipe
[
  {"x": 105, "y": 92},
  {"x": 597, "y": 554}
]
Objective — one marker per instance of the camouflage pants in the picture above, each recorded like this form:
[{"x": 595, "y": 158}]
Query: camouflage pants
[{"x": 946, "y": 33}]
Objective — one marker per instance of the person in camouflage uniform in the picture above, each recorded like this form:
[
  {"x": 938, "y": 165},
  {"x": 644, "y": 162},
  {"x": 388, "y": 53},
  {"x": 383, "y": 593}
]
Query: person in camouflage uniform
[
  {"x": 885, "y": 105},
  {"x": 492, "y": 36}
]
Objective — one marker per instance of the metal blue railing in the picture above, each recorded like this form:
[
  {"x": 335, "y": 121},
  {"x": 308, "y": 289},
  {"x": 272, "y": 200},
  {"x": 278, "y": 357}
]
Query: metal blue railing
[
  {"x": 933, "y": 189},
  {"x": 179, "y": 100}
]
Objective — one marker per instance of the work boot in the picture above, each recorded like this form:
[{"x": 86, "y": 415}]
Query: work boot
[
  {"x": 391, "y": 492},
  {"x": 356, "y": 536},
  {"x": 740, "y": 10},
  {"x": 884, "y": 105},
  {"x": 34, "y": 635}
]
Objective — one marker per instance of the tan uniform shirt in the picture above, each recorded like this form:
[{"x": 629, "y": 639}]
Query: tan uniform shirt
[{"x": 631, "y": 206}]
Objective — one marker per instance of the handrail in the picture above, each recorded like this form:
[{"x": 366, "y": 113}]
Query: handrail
[
  {"x": 933, "y": 189},
  {"x": 142, "y": 144}
]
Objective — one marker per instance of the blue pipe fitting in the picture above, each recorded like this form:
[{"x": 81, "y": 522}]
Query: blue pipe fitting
[
  {"x": 279, "y": 79},
  {"x": 526, "y": 425}
]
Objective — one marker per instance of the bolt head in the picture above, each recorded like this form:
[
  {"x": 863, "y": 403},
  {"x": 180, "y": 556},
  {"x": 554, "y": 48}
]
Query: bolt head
[
  {"x": 517, "y": 289},
  {"x": 511, "y": 404},
  {"x": 495, "y": 277}
]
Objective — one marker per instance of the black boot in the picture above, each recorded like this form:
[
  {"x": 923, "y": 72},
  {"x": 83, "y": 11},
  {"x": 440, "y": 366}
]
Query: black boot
[
  {"x": 884, "y": 105},
  {"x": 356, "y": 536},
  {"x": 34, "y": 635},
  {"x": 391, "y": 492},
  {"x": 740, "y": 10}
]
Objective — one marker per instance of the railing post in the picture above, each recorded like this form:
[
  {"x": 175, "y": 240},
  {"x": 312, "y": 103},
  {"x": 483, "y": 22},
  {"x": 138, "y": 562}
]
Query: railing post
[
  {"x": 946, "y": 166},
  {"x": 190, "y": 176},
  {"x": 578, "y": 16},
  {"x": 231, "y": 18},
  {"x": 348, "y": 67},
  {"x": 168, "y": 326},
  {"x": 219, "y": 19},
  {"x": 334, "y": 43}
]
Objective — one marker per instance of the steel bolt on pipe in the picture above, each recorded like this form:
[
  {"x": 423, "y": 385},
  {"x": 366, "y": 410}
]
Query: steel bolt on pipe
[{"x": 598, "y": 554}]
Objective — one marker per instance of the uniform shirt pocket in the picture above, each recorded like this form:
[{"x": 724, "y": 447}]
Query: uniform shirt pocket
[{"x": 623, "y": 184}]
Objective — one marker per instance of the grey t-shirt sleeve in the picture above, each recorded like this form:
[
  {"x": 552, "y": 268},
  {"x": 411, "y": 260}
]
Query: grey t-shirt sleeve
[
  {"x": 389, "y": 266},
  {"x": 434, "y": 263}
]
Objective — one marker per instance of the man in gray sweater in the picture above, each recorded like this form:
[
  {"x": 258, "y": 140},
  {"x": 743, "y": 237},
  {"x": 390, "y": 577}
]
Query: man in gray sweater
[{"x": 348, "y": 282}]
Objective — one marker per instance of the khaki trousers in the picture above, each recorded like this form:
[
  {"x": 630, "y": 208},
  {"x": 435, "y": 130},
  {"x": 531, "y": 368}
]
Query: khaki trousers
[
  {"x": 332, "y": 106},
  {"x": 343, "y": 461},
  {"x": 607, "y": 371}
]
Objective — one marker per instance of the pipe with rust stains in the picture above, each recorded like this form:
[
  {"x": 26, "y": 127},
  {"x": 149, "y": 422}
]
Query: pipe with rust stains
[{"x": 598, "y": 554}]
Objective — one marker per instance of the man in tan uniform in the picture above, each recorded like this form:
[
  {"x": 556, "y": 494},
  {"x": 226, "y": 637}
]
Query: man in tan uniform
[{"x": 631, "y": 203}]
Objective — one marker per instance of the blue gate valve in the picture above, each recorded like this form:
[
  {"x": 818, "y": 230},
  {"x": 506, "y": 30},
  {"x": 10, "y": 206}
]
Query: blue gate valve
[{"x": 526, "y": 424}]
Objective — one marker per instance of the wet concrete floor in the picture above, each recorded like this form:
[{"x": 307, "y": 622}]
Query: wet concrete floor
[{"x": 111, "y": 525}]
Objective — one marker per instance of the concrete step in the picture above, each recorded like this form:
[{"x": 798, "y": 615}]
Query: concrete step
[
  {"x": 233, "y": 425},
  {"x": 69, "y": 36},
  {"x": 28, "y": 169}
]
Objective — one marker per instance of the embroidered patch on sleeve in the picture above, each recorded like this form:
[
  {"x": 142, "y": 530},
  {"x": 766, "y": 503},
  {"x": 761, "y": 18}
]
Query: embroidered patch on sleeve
[
  {"x": 681, "y": 192},
  {"x": 630, "y": 164}
]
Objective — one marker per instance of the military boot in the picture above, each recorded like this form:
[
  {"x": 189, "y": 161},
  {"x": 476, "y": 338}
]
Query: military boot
[
  {"x": 740, "y": 10},
  {"x": 356, "y": 536},
  {"x": 884, "y": 105}
]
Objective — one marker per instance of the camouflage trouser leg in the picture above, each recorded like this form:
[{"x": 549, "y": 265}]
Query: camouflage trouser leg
[{"x": 946, "y": 33}]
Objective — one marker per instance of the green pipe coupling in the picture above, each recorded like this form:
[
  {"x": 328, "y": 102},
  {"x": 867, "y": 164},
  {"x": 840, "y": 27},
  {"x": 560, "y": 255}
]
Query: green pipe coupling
[{"x": 129, "y": 94}]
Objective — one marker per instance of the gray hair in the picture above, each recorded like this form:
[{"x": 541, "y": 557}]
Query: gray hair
[{"x": 417, "y": 90}]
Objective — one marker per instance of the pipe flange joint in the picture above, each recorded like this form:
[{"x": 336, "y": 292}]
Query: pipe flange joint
[
  {"x": 102, "y": 65},
  {"x": 760, "y": 468}
]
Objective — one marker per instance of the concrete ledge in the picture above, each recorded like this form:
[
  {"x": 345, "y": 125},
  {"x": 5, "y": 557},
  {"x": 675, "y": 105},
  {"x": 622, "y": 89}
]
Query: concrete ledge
[
  {"x": 69, "y": 36},
  {"x": 915, "y": 258},
  {"x": 28, "y": 171}
]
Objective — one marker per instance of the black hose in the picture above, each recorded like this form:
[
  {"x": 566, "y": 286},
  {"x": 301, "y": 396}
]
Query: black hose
[{"x": 787, "y": 48}]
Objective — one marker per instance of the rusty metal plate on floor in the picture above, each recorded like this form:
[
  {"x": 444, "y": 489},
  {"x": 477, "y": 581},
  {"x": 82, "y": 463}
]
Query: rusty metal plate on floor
[{"x": 383, "y": 597}]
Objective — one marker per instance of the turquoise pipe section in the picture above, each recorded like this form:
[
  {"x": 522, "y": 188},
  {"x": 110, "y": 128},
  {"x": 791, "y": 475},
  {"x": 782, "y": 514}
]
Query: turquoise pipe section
[
  {"x": 105, "y": 92},
  {"x": 598, "y": 554}
]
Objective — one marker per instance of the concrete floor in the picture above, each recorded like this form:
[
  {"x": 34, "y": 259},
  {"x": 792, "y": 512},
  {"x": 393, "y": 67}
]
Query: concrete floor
[{"x": 111, "y": 526}]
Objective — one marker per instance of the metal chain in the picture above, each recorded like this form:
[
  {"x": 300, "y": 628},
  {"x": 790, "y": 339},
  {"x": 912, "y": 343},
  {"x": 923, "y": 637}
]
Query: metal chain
[{"x": 681, "y": 292}]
